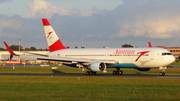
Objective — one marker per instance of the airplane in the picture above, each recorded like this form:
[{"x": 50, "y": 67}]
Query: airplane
[{"x": 98, "y": 60}]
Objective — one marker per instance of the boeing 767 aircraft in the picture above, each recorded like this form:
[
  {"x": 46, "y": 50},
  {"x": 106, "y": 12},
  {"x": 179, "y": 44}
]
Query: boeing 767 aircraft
[{"x": 98, "y": 60}]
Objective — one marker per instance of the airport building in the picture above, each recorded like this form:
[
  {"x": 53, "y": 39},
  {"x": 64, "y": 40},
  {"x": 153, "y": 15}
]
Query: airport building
[{"x": 24, "y": 58}]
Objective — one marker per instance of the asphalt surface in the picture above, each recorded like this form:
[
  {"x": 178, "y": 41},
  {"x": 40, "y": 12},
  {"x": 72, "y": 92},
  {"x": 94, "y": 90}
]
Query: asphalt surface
[
  {"x": 174, "y": 66},
  {"x": 97, "y": 75},
  {"x": 84, "y": 75}
]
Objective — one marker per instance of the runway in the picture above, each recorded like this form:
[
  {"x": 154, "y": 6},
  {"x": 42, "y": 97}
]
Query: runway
[
  {"x": 63, "y": 74},
  {"x": 97, "y": 75}
]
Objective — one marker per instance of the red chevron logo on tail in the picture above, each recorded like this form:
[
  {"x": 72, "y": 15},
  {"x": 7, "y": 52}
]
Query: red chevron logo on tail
[{"x": 49, "y": 34}]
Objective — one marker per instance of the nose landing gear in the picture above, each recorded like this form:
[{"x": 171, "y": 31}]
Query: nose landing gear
[{"x": 162, "y": 73}]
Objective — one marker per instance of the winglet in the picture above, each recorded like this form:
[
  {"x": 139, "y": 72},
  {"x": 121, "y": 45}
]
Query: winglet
[
  {"x": 9, "y": 49},
  {"x": 149, "y": 43}
]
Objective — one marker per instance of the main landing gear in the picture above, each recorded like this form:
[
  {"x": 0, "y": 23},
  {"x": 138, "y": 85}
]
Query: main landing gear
[
  {"x": 117, "y": 72},
  {"x": 90, "y": 73}
]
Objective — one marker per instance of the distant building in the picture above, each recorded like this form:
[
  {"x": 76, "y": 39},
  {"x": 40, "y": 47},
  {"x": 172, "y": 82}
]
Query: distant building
[
  {"x": 174, "y": 50},
  {"x": 4, "y": 55}
]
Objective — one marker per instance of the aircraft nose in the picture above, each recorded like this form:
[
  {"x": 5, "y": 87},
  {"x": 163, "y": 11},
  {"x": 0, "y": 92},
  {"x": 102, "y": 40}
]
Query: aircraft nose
[{"x": 172, "y": 59}]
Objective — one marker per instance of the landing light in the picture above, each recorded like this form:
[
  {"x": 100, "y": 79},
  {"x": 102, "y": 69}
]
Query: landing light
[{"x": 104, "y": 71}]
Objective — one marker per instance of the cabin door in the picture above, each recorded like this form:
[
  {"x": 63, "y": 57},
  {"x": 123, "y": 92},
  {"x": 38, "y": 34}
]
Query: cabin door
[{"x": 152, "y": 56}]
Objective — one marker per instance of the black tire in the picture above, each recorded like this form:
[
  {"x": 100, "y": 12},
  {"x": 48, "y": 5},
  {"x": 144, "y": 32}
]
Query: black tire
[
  {"x": 163, "y": 74},
  {"x": 117, "y": 72},
  {"x": 120, "y": 72},
  {"x": 94, "y": 73},
  {"x": 91, "y": 73},
  {"x": 87, "y": 73},
  {"x": 114, "y": 72}
]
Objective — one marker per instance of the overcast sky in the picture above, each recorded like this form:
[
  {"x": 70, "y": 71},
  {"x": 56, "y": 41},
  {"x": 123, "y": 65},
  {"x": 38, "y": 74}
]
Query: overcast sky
[{"x": 109, "y": 23}]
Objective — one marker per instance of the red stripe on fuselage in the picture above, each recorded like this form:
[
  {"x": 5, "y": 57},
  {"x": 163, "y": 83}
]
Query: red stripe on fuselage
[
  {"x": 45, "y": 22},
  {"x": 56, "y": 46}
]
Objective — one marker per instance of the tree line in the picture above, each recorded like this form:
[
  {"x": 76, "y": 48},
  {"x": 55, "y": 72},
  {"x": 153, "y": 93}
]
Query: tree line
[{"x": 16, "y": 48}]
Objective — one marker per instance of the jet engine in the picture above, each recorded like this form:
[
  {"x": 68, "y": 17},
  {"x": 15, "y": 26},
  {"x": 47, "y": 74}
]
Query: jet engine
[
  {"x": 143, "y": 69},
  {"x": 98, "y": 66}
]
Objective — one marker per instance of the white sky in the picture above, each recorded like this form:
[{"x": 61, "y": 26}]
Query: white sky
[
  {"x": 109, "y": 23},
  {"x": 18, "y": 7}
]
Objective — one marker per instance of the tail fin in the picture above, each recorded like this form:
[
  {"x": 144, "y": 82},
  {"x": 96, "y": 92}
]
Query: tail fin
[
  {"x": 53, "y": 41},
  {"x": 149, "y": 44}
]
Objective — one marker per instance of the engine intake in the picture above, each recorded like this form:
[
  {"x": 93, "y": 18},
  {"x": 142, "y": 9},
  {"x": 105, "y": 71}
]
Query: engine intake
[{"x": 98, "y": 66}]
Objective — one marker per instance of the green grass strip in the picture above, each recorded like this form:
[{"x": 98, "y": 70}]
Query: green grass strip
[{"x": 46, "y": 88}]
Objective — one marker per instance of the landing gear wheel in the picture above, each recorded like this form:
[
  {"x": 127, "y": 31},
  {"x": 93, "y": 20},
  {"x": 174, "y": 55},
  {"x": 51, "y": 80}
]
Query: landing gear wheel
[
  {"x": 87, "y": 73},
  {"x": 120, "y": 72},
  {"x": 117, "y": 72},
  {"x": 162, "y": 73},
  {"x": 94, "y": 73},
  {"x": 114, "y": 72},
  {"x": 91, "y": 73}
]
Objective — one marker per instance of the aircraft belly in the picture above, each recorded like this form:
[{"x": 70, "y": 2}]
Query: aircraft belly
[{"x": 123, "y": 65}]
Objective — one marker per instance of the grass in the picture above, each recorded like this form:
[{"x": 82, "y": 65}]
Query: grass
[
  {"x": 176, "y": 63},
  {"x": 47, "y": 88},
  {"x": 59, "y": 88}
]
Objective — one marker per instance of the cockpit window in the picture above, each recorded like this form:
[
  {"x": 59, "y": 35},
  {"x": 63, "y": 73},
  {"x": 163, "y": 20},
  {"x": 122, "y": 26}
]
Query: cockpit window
[{"x": 166, "y": 54}]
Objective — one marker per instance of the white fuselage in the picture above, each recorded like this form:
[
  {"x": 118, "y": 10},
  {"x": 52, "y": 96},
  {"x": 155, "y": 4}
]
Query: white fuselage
[{"x": 154, "y": 57}]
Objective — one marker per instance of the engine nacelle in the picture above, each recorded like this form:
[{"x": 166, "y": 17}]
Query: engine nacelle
[
  {"x": 143, "y": 69},
  {"x": 98, "y": 66}
]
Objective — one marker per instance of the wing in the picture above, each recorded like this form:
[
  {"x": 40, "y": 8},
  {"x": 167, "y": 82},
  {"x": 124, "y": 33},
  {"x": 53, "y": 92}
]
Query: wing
[
  {"x": 36, "y": 54},
  {"x": 79, "y": 60}
]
